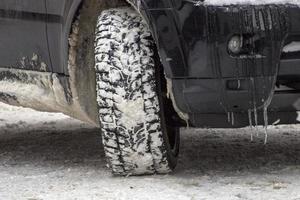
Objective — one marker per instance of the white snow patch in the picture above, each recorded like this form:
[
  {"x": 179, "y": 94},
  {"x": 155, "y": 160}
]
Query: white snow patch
[
  {"x": 292, "y": 47},
  {"x": 43, "y": 92},
  {"x": 132, "y": 111},
  {"x": 40, "y": 97},
  {"x": 170, "y": 94}
]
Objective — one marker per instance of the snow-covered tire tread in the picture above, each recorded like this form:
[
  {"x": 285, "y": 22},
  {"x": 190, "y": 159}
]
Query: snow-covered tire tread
[{"x": 126, "y": 94}]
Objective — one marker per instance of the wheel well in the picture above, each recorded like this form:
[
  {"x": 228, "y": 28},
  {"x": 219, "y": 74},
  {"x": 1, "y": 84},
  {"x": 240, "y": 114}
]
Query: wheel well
[
  {"x": 81, "y": 54},
  {"x": 86, "y": 15},
  {"x": 81, "y": 58}
]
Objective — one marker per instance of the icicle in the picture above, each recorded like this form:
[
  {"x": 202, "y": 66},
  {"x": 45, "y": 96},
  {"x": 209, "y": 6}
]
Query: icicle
[
  {"x": 255, "y": 116},
  {"x": 266, "y": 124},
  {"x": 255, "y": 120},
  {"x": 254, "y": 105},
  {"x": 232, "y": 118},
  {"x": 250, "y": 118},
  {"x": 187, "y": 123},
  {"x": 250, "y": 123},
  {"x": 228, "y": 117}
]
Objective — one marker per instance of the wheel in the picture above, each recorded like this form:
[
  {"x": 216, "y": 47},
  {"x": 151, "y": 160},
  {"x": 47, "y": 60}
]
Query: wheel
[{"x": 131, "y": 95}]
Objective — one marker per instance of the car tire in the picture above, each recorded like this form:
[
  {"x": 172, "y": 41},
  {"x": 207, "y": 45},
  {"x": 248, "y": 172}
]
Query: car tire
[{"x": 131, "y": 93}]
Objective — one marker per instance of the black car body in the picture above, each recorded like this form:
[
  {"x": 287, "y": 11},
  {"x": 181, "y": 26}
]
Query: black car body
[{"x": 224, "y": 63}]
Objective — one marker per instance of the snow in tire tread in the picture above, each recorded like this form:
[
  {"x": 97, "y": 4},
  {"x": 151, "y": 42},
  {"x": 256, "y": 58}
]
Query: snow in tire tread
[{"x": 126, "y": 89}]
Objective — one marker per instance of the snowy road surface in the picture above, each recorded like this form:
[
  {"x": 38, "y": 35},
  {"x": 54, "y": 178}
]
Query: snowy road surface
[{"x": 50, "y": 156}]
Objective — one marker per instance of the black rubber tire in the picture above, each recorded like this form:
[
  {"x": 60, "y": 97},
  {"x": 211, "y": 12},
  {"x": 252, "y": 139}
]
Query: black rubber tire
[{"x": 134, "y": 129}]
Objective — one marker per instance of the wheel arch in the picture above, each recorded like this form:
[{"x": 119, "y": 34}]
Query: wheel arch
[
  {"x": 81, "y": 59},
  {"x": 152, "y": 12},
  {"x": 82, "y": 19}
]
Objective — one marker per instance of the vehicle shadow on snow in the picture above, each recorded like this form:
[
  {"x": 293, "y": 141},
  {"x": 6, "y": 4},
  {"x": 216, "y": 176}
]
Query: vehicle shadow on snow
[
  {"x": 232, "y": 151},
  {"x": 52, "y": 144},
  {"x": 202, "y": 151}
]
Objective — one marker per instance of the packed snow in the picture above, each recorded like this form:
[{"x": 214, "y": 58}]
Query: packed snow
[
  {"x": 51, "y": 156},
  {"x": 292, "y": 47}
]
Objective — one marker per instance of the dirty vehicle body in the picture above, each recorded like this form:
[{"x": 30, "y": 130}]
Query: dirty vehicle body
[{"x": 225, "y": 65}]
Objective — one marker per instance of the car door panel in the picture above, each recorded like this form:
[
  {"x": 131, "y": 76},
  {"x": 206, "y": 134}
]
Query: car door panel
[{"x": 23, "y": 37}]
